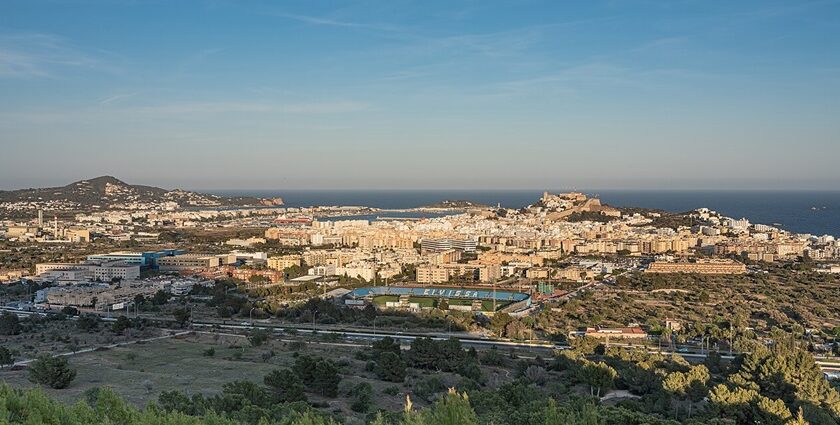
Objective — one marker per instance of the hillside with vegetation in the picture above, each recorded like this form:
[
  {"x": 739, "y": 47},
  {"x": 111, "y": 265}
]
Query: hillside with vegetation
[{"x": 106, "y": 192}]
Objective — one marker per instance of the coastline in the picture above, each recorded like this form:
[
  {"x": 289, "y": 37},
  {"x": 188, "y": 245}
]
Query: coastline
[{"x": 789, "y": 210}]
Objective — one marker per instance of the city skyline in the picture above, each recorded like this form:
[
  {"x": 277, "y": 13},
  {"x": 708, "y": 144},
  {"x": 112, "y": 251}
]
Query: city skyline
[{"x": 601, "y": 95}]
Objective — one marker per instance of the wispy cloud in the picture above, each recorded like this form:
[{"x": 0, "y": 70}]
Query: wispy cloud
[
  {"x": 209, "y": 108},
  {"x": 782, "y": 10},
  {"x": 195, "y": 60},
  {"x": 498, "y": 43},
  {"x": 117, "y": 97},
  {"x": 404, "y": 75},
  {"x": 325, "y": 21},
  {"x": 37, "y": 55},
  {"x": 110, "y": 109},
  {"x": 326, "y": 107},
  {"x": 495, "y": 44},
  {"x": 569, "y": 81},
  {"x": 657, "y": 45}
]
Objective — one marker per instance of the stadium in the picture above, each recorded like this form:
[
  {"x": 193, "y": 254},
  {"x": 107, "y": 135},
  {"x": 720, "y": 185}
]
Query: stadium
[{"x": 416, "y": 298}]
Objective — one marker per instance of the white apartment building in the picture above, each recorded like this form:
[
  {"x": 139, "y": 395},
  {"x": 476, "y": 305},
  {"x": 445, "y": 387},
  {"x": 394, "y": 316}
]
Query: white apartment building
[
  {"x": 80, "y": 272},
  {"x": 467, "y": 245},
  {"x": 358, "y": 270},
  {"x": 327, "y": 270}
]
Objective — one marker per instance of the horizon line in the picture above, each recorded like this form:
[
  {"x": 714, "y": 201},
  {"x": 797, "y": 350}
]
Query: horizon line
[{"x": 551, "y": 190}]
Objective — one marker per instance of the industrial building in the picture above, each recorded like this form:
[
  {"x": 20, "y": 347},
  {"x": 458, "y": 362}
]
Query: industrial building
[
  {"x": 189, "y": 261},
  {"x": 143, "y": 259},
  {"x": 88, "y": 271}
]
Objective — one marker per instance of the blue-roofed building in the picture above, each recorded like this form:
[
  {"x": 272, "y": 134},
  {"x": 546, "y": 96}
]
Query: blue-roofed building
[{"x": 146, "y": 260}]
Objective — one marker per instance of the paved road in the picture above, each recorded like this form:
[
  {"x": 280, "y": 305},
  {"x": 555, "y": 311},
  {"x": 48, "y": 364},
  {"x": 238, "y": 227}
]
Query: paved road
[
  {"x": 465, "y": 339},
  {"x": 828, "y": 364}
]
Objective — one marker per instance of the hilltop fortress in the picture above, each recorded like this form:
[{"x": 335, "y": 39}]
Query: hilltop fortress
[{"x": 563, "y": 205}]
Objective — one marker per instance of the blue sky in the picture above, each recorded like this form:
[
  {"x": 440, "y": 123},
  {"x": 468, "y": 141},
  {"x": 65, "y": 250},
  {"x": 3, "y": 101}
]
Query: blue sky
[{"x": 393, "y": 94}]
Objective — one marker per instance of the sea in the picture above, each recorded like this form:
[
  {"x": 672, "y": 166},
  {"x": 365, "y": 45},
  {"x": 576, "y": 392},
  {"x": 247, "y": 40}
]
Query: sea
[{"x": 812, "y": 212}]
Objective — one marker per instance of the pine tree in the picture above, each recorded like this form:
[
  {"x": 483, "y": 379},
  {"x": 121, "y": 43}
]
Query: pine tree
[
  {"x": 390, "y": 367},
  {"x": 6, "y": 357},
  {"x": 599, "y": 376},
  {"x": 51, "y": 371},
  {"x": 285, "y": 384}
]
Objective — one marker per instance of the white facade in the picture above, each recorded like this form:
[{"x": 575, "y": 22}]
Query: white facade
[
  {"x": 69, "y": 272},
  {"x": 328, "y": 270}
]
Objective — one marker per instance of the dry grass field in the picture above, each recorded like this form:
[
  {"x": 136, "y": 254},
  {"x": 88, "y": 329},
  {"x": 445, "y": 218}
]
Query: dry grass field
[{"x": 140, "y": 372}]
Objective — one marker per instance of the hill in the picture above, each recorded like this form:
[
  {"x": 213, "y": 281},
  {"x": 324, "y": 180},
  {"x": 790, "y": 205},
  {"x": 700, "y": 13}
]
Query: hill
[{"x": 110, "y": 193}]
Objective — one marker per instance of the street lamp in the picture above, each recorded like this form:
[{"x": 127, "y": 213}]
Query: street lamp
[
  {"x": 192, "y": 319},
  {"x": 251, "y": 317},
  {"x": 374, "y": 324},
  {"x": 531, "y": 342}
]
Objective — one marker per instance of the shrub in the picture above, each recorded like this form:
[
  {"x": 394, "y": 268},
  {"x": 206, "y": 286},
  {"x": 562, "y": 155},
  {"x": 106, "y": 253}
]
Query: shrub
[
  {"x": 429, "y": 387},
  {"x": 470, "y": 369},
  {"x": 321, "y": 374},
  {"x": 429, "y": 354},
  {"x": 536, "y": 374},
  {"x": 285, "y": 385},
  {"x": 51, "y": 371},
  {"x": 6, "y": 357},
  {"x": 390, "y": 367},
  {"x": 297, "y": 345},
  {"x": 120, "y": 325},
  {"x": 258, "y": 337},
  {"x": 9, "y": 324},
  {"x": 361, "y": 394},
  {"x": 493, "y": 357},
  {"x": 70, "y": 311},
  {"x": 87, "y": 322}
]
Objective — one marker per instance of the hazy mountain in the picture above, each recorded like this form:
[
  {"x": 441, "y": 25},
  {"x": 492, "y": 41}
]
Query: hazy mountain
[{"x": 108, "y": 192}]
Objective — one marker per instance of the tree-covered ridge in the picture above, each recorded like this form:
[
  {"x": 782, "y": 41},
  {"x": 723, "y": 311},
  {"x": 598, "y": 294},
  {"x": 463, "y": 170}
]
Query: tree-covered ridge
[
  {"x": 107, "y": 408},
  {"x": 778, "y": 385},
  {"x": 775, "y": 381}
]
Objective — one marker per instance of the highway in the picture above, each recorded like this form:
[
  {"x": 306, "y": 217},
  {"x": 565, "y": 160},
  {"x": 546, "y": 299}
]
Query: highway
[
  {"x": 407, "y": 337},
  {"x": 827, "y": 364}
]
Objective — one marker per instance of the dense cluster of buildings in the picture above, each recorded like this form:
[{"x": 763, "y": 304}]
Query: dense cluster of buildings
[
  {"x": 491, "y": 244},
  {"x": 41, "y": 231},
  {"x": 108, "y": 281},
  {"x": 114, "y": 295},
  {"x": 102, "y": 271},
  {"x": 480, "y": 245}
]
